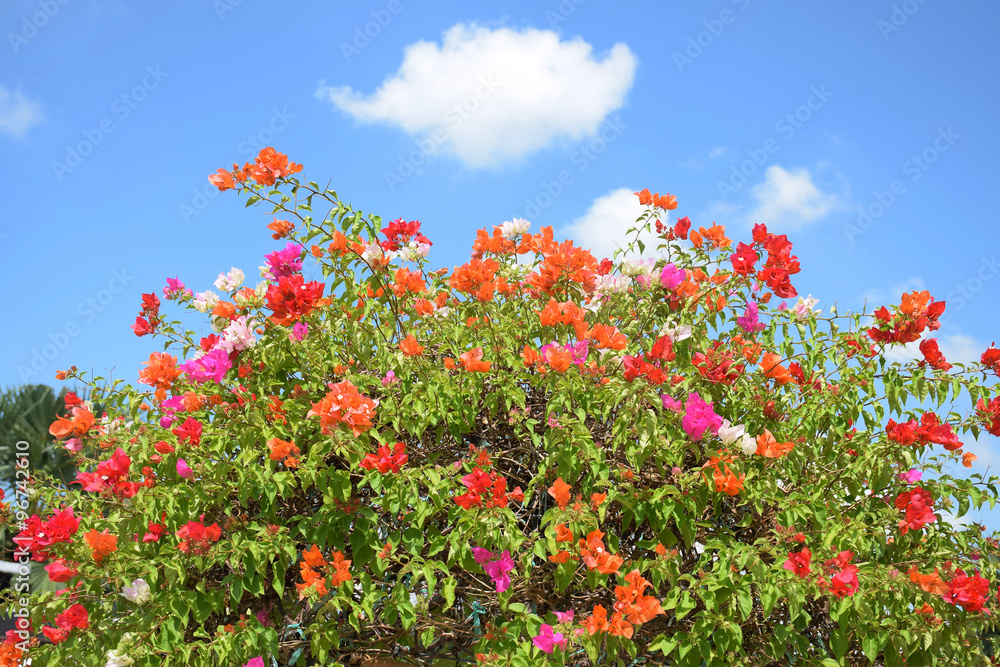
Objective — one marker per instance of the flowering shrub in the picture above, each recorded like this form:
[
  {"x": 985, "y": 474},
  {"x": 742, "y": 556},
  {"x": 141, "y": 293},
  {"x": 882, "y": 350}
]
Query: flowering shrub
[{"x": 538, "y": 457}]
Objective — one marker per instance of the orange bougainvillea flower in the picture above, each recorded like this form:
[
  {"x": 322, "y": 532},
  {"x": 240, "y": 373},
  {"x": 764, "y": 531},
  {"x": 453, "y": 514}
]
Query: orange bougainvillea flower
[
  {"x": 607, "y": 337},
  {"x": 769, "y": 447},
  {"x": 558, "y": 358},
  {"x": 560, "y": 492},
  {"x": 160, "y": 372},
  {"x": 314, "y": 570},
  {"x": 563, "y": 533},
  {"x": 597, "y": 621},
  {"x": 77, "y": 424},
  {"x": 770, "y": 367},
  {"x": 597, "y": 499},
  {"x": 929, "y": 583},
  {"x": 408, "y": 281},
  {"x": 410, "y": 347},
  {"x": 282, "y": 450},
  {"x": 562, "y": 557},
  {"x": 281, "y": 229},
  {"x": 344, "y": 404},
  {"x": 567, "y": 313},
  {"x": 477, "y": 278},
  {"x": 472, "y": 361},
  {"x": 716, "y": 235},
  {"x": 101, "y": 544},
  {"x": 530, "y": 356},
  {"x": 968, "y": 458}
]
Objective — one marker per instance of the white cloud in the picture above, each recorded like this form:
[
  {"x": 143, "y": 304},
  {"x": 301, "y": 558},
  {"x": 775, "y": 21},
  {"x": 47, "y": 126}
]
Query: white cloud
[
  {"x": 718, "y": 151},
  {"x": 602, "y": 228},
  {"x": 957, "y": 348},
  {"x": 17, "y": 112},
  {"x": 490, "y": 96},
  {"x": 789, "y": 199}
]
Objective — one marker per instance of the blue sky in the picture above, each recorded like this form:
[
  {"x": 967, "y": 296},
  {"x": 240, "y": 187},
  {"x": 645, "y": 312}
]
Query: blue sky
[{"x": 796, "y": 114}]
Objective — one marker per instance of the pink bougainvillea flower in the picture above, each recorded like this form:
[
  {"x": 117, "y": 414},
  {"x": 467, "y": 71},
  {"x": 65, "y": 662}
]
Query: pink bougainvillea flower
[
  {"x": 285, "y": 262},
  {"x": 671, "y": 276},
  {"x": 547, "y": 639},
  {"x": 749, "y": 320},
  {"x": 699, "y": 417},
  {"x": 299, "y": 332},
  {"x": 910, "y": 476},
  {"x": 255, "y": 662},
  {"x": 210, "y": 366},
  {"x": 183, "y": 470},
  {"x": 672, "y": 404}
]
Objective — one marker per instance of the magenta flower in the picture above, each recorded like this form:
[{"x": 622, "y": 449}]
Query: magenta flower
[
  {"x": 496, "y": 569},
  {"x": 184, "y": 470},
  {"x": 749, "y": 321},
  {"x": 210, "y": 366},
  {"x": 284, "y": 262},
  {"x": 299, "y": 332},
  {"x": 175, "y": 289},
  {"x": 699, "y": 417},
  {"x": 672, "y": 404},
  {"x": 910, "y": 476},
  {"x": 255, "y": 662},
  {"x": 671, "y": 276},
  {"x": 564, "y": 616},
  {"x": 547, "y": 639}
]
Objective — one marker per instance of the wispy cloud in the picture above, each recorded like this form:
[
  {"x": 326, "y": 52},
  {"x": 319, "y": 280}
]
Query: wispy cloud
[{"x": 18, "y": 113}]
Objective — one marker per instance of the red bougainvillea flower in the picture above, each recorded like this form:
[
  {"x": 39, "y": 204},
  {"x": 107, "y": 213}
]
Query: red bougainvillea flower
[
  {"x": 928, "y": 430},
  {"x": 38, "y": 536},
  {"x": 196, "y": 538},
  {"x": 991, "y": 358},
  {"x": 970, "y": 593},
  {"x": 989, "y": 413},
  {"x": 932, "y": 355},
  {"x": 75, "y": 617},
  {"x": 292, "y": 298},
  {"x": 110, "y": 476},
  {"x": 189, "y": 432},
  {"x": 344, "y": 404},
  {"x": 60, "y": 571},
  {"x": 798, "y": 563},
  {"x": 917, "y": 504},
  {"x": 844, "y": 582},
  {"x": 386, "y": 460},
  {"x": 917, "y": 313}
]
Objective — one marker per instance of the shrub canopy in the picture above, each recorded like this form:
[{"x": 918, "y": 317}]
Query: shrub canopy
[{"x": 533, "y": 458}]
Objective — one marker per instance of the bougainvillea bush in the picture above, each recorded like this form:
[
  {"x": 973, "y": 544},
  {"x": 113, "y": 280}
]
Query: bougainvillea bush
[{"x": 537, "y": 457}]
